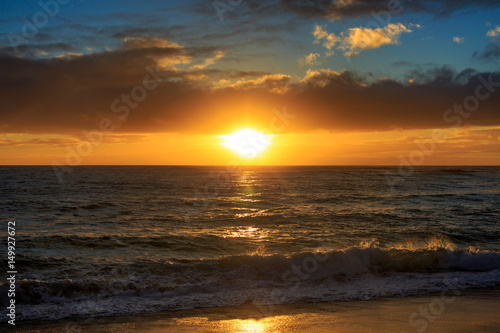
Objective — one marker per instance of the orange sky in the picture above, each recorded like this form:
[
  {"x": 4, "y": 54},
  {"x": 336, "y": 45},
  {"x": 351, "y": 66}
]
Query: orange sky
[
  {"x": 333, "y": 86},
  {"x": 472, "y": 146}
]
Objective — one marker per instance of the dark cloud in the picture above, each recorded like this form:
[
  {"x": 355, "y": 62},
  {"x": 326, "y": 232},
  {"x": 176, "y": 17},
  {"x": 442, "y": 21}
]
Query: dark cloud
[
  {"x": 67, "y": 142},
  {"x": 30, "y": 50},
  {"x": 439, "y": 75},
  {"x": 248, "y": 29},
  {"x": 356, "y": 8},
  {"x": 121, "y": 32},
  {"x": 53, "y": 143},
  {"x": 69, "y": 95},
  {"x": 343, "y": 101},
  {"x": 227, "y": 74},
  {"x": 338, "y": 9},
  {"x": 490, "y": 53},
  {"x": 402, "y": 63}
]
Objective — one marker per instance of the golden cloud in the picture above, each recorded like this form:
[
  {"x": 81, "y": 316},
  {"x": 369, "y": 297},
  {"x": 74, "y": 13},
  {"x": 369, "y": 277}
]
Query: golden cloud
[{"x": 360, "y": 39}]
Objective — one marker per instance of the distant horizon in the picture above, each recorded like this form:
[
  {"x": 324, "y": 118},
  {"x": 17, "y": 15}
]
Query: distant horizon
[{"x": 270, "y": 165}]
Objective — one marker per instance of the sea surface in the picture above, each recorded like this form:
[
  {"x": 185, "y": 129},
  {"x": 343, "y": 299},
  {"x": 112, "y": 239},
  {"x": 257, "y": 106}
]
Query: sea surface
[{"x": 112, "y": 241}]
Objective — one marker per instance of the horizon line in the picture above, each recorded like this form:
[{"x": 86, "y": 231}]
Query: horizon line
[{"x": 260, "y": 165}]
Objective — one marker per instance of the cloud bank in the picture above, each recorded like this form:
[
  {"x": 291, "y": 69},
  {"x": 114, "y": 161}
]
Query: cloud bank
[
  {"x": 339, "y": 9},
  {"x": 68, "y": 95}
]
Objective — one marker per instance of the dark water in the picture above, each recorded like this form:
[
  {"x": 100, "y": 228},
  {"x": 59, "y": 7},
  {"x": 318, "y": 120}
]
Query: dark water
[{"x": 122, "y": 240}]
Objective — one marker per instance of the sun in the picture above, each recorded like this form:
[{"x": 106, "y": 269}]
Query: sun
[{"x": 247, "y": 142}]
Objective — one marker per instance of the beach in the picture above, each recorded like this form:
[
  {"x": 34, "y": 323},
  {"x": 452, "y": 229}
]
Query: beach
[{"x": 476, "y": 310}]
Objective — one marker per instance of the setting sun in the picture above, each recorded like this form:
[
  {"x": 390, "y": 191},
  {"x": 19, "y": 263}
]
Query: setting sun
[{"x": 247, "y": 142}]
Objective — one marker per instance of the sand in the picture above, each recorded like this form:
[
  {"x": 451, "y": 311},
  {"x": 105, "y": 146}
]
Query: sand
[{"x": 455, "y": 311}]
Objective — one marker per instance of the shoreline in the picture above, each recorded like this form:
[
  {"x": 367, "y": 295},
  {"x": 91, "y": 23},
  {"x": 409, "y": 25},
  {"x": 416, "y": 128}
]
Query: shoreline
[{"x": 468, "y": 310}]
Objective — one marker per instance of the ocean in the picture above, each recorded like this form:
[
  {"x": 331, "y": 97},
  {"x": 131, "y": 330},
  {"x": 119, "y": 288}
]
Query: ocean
[{"x": 121, "y": 240}]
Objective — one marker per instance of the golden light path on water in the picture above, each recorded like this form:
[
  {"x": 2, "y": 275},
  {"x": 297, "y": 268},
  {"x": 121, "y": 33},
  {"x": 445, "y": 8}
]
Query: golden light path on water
[{"x": 268, "y": 324}]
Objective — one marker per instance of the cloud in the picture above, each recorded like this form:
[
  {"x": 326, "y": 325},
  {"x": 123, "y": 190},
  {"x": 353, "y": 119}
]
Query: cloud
[
  {"x": 356, "y": 40},
  {"x": 5, "y": 141},
  {"x": 34, "y": 49},
  {"x": 490, "y": 53},
  {"x": 493, "y": 32},
  {"x": 344, "y": 100},
  {"x": 276, "y": 83},
  {"x": 329, "y": 39},
  {"x": 52, "y": 143},
  {"x": 475, "y": 135},
  {"x": 124, "y": 138},
  {"x": 147, "y": 42},
  {"x": 458, "y": 40},
  {"x": 472, "y": 143},
  {"x": 361, "y": 39},
  {"x": 156, "y": 45},
  {"x": 339, "y": 9},
  {"x": 66, "y": 96},
  {"x": 310, "y": 59},
  {"x": 209, "y": 61},
  {"x": 323, "y": 77}
]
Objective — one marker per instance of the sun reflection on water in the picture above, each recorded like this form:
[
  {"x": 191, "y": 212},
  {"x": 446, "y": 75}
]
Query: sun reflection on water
[
  {"x": 251, "y": 325},
  {"x": 247, "y": 232},
  {"x": 247, "y": 177},
  {"x": 279, "y": 323}
]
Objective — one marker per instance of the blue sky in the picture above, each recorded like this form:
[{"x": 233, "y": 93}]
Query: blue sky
[{"x": 264, "y": 39}]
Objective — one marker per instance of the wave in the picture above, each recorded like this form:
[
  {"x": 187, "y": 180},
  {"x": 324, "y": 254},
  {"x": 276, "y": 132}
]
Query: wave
[{"x": 363, "y": 272}]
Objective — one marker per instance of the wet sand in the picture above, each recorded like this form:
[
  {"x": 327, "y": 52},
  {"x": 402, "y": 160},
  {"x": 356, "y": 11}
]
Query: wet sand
[{"x": 454, "y": 311}]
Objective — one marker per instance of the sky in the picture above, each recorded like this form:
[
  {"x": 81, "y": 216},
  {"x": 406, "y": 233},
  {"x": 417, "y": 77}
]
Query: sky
[{"x": 329, "y": 82}]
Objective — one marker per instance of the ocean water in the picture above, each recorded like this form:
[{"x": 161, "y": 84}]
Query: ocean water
[{"x": 111, "y": 241}]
